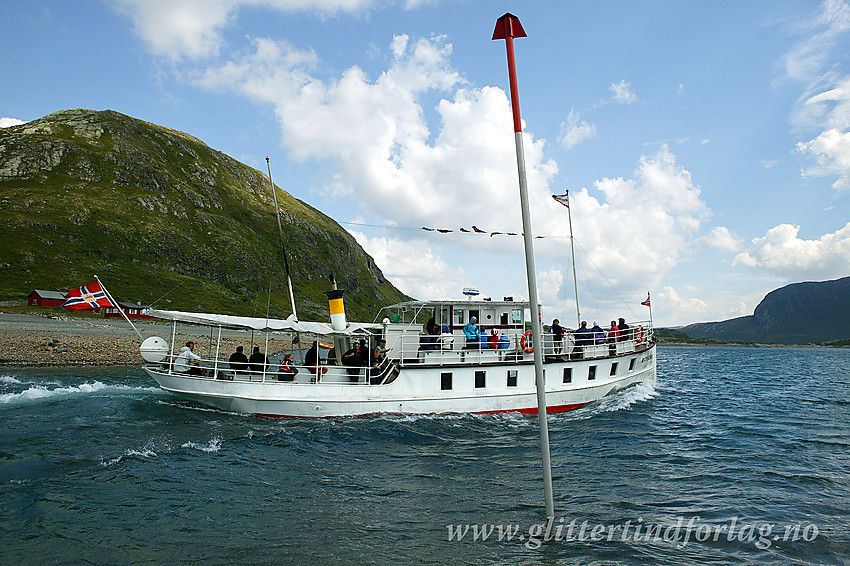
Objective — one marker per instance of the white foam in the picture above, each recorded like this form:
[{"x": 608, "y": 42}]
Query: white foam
[
  {"x": 41, "y": 392},
  {"x": 212, "y": 446},
  {"x": 8, "y": 380},
  {"x": 143, "y": 453}
]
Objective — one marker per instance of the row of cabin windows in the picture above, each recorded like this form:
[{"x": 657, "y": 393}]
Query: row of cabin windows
[{"x": 481, "y": 376}]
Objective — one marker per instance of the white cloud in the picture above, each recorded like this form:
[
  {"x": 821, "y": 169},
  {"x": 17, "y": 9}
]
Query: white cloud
[
  {"x": 175, "y": 29},
  {"x": 721, "y": 238},
  {"x": 375, "y": 133},
  {"x": 780, "y": 252},
  {"x": 6, "y": 122},
  {"x": 831, "y": 150},
  {"x": 809, "y": 55},
  {"x": 574, "y": 131},
  {"x": 638, "y": 229},
  {"x": 414, "y": 267},
  {"x": 685, "y": 309},
  {"x": 623, "y": 92}
]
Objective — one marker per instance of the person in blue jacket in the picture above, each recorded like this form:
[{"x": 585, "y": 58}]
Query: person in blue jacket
[{"x": 473, "y": 338}]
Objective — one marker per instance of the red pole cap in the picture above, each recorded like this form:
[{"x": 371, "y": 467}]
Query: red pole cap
[{"x": 508, "y": 26}]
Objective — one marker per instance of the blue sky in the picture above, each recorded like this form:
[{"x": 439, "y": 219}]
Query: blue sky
[{"x": 706, "y": 147}]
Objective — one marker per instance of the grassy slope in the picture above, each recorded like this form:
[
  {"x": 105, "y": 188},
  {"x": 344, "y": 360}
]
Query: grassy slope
[{"x": 149, "y": 209}]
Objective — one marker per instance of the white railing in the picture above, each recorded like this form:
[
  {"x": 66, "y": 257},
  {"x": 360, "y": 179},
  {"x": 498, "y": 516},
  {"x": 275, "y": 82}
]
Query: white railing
[
  {"x": 270, "y": 373},
  {"x": 413, "y": 348}
]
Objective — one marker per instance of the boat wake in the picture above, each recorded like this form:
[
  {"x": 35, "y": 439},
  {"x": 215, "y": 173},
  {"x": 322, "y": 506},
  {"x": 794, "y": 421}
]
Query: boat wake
[
  {"x": 620, "y": 401},
  {"x": 52, "y": 391}
]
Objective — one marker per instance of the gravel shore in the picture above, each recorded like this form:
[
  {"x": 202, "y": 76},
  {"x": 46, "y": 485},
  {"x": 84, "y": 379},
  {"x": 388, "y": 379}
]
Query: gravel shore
[{"x": 57, "y": 340}]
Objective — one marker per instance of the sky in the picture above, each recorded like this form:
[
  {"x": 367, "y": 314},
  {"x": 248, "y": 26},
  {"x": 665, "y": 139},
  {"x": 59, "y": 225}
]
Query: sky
[{"x": 705, "y": 146}]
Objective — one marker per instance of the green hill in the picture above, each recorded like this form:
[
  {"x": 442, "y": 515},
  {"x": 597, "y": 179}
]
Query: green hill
[{"x": 155, "y": 212}]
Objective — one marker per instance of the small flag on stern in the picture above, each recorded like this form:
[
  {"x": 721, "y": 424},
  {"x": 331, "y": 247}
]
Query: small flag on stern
[
  {"x": 87, "y": 297},
  {"x": 563, "y": 199},
  {"x": 646, "y": 302}
]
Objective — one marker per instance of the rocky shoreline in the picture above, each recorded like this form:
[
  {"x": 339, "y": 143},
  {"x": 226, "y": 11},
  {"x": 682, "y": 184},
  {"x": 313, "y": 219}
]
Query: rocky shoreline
[{"x": 55, "y": 340}]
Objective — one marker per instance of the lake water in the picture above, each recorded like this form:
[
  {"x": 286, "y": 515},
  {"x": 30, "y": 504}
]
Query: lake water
[{"x": 747, "y": 450}]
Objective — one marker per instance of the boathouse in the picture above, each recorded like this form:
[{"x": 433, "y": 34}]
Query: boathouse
[{"x": 42, "y": 298}]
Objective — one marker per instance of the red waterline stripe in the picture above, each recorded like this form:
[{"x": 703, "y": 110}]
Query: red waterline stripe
[{"x": 529, "y": 411}]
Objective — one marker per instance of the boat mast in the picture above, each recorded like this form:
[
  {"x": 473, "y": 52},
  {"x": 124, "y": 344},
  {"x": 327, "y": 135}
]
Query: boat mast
[
  {"x": 282, "y": 243},
  {"x": 507, "y": 28},
  {"x": 573, "y": 253}
]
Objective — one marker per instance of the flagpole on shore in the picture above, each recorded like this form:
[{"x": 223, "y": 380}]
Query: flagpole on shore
[
  {"x": 117, "y": 306},
  {"x": 507, "y": 28}
]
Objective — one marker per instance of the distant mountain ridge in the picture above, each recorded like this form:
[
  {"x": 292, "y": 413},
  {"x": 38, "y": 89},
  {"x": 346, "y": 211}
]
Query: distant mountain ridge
[
  {"x": 154, "y": 212},
  {"x": 800, "y": 313}
]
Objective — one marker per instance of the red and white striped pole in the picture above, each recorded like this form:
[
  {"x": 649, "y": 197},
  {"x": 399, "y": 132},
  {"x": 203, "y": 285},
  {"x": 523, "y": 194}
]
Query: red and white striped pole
[{"x": 507, "y": 28}]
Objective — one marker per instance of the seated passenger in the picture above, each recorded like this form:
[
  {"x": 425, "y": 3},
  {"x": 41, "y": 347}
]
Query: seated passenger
[
  {"x": 584, "y": 337},
  {"x": 186, "y": 361},
  {"x": 446, "y": 338},
  {"x": 493, "y": 340},
  {"x": 504, "y": 342},
  {"x": 598, "y": 333},
  {"x": 258, "y": 361},
  {"x": 238, "y": 360},
  {"x": 473, "y": 338},
  {"x": 287, "y": 369}
]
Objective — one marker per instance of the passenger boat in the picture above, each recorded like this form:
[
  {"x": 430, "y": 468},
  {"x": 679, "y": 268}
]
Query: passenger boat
[{"x": 420, "y": 373}]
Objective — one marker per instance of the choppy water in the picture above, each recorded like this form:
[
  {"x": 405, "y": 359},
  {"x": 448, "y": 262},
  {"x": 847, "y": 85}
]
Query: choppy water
[{"x": 98, "y": 466}]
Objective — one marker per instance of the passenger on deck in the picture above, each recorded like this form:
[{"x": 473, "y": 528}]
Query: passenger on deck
[
  {"x": 584, "y": 337},
  {"x": 557, "y": 335},
  {"x": 446, "y": 338},
  {"x": 313, "y": 361},
  {"x": 504, "y": 342},
  {"x": 625, "y": 333},
  {"x": 287, "y": 369},
  {"x": 375, "y": 367},
  {"x": 186, "y": 361},
  {"x": 493, "y": 340},
  {"x": 238, "y": 360},
  {"x": 598, "y": 333},
  {"x": 473, "y": 338},
  {"x": 258, "y": 360},
  {"x": 613, "y": 333},
  {"x": 351, "y": 358},
  {"x": 431, "y": 327}
]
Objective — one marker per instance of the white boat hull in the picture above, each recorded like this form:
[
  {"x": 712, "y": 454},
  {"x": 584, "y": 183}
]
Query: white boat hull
[{"x": 421, "y": 388}]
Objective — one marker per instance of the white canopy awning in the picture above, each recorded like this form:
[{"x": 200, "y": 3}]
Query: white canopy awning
[{"x": 263, "y": 324}]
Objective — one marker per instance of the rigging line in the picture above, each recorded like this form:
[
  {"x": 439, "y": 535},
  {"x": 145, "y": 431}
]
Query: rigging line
[
  {"x": 166, "y": 293},
  {"x": 625, "y": 303}
]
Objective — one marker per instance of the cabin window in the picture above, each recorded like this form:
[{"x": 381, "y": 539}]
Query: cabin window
[
  {"x": 444, "y": 316},
  {"x": 516, "y": 316},
  {"x": 503, "y": 319},
  {"x": 614, "y": 368},
  {"x": 568, "y": 375},
  {"x": 632, "y": 364},
  {"x": 474, "y": 312},
  {"x": 445, "y": 381},
  {"x": 512, "y": 375},
  {"x": 480, "y": 379},
  {"x": 458, "y": 317},
  {"x": 591, "y": 373}
]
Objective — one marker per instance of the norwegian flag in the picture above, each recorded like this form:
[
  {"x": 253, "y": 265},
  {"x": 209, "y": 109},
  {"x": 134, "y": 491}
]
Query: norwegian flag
[
  {"x": 87, "y": 297},
  {"x": 646, "y": 302},
  {"x": 563, "y": 199}
]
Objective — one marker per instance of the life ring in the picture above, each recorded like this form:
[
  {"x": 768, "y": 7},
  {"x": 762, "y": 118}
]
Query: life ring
[
  {"x": 639, "y": 334},
  {"x": 527, "y": 338},
  {"x": 325, "y": 345}
]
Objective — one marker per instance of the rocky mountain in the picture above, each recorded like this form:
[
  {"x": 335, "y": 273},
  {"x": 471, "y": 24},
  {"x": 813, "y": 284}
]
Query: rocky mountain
[
  {"x": 800, "y": 313},
  {"x": 157, "y": 213}
]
